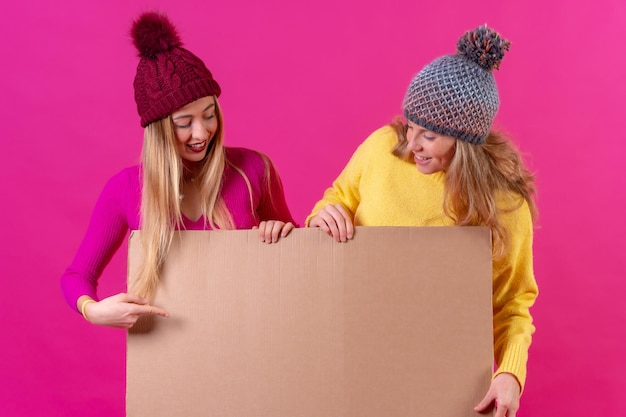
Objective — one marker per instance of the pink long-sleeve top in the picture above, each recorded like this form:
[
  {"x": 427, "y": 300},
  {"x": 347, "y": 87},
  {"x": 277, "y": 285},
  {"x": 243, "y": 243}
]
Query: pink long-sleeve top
[{"x": 117, "y": 212}]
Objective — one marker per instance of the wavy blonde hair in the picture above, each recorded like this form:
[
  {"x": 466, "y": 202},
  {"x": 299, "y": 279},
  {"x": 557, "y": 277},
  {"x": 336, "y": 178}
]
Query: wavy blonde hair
[
  {"x": 161, "y": 197},
  {"x": 482, "y": 183}
]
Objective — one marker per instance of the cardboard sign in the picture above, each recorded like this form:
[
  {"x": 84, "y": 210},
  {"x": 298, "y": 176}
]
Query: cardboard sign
[{"x": 396, "y": 322}]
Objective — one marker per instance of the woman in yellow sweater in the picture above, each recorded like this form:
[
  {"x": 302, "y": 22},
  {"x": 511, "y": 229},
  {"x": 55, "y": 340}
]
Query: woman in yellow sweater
[{"x": 467, "y": 174}]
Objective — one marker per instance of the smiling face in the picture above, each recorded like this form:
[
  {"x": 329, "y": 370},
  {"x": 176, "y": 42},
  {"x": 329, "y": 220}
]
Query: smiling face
[
  {"x": 194, "y": 126},
  {"x": 431, "y": 151}
]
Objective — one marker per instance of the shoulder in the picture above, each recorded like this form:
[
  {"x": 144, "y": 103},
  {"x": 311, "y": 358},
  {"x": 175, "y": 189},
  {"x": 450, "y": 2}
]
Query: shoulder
[
  {"x": 380, "y": 142},
  {"x": 127, "y": 177},
  {"x": 243, "y": 156},
  {"x": 378, "y": 147},
  {"x": 248, "y": 160},
  {"x": 125, "y": 182},
  {"x": 384, "y": 138},
  {"x": 120, "y": 198}
]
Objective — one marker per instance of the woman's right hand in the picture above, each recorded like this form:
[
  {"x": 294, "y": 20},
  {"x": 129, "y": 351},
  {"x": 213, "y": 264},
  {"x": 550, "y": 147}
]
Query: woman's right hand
[
  {"x": 120, "y": 310},
  {"x": 271, "y": 230},
  {"x": 335, "y": 221}
]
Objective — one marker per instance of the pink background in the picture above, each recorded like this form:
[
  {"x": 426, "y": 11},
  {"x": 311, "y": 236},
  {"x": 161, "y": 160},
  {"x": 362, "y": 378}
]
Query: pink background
[{"x": 306, "y": 82}]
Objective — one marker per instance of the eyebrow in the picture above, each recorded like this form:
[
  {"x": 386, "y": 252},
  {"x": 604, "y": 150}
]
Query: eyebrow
[
  {"x": 422, "y": 129},
  {"x": 182, "y": 116}
]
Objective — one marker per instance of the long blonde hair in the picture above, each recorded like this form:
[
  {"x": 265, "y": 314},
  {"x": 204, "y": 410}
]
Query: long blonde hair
[
  {"x": 483, "y": 182},
  {"x": 161, "y": 196}
]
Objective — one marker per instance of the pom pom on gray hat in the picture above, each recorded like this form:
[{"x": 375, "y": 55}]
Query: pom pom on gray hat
[{"x": 456, "y": 95}]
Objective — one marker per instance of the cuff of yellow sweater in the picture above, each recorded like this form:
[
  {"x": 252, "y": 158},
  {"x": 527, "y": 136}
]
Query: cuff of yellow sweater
[{"x": 514, "y": 361}]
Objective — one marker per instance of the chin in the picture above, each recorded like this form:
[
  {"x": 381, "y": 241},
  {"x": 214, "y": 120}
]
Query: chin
[
  {"x": 428, "y": 171},
  {"x": 195, "y": 157}
]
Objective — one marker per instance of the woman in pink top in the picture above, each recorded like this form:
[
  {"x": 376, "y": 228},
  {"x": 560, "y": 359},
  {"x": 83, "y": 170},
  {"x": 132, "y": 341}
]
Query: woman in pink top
[{"x": 187, "y": 179}]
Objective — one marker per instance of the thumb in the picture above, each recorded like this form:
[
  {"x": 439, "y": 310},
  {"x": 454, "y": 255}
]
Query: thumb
[
  {"x": 485, "y": 402},
  {"x": 135, "y": 299},
  {"x": 286, "y": 229}
]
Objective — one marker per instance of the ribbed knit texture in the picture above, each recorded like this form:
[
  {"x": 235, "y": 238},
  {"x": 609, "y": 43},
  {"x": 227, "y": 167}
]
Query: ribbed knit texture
[
  {"x": 379, "y": 189},
  {"x": 117, "y": 212}
]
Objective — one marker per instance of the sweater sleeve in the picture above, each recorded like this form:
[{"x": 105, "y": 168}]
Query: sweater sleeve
[
  {"x": 273, "y": 205},
  {"x": 106, "y": 231},
  {"x": 514, "y": 292}
]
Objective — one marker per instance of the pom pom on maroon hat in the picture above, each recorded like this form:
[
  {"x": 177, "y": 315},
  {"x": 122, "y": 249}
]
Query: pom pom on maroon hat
[
  {"x": 168, "y": 76},
  {"x": 153, "y": 33}
]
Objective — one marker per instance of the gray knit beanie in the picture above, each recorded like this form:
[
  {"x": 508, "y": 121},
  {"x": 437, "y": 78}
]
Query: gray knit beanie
[{"x": 456, "y": 95}]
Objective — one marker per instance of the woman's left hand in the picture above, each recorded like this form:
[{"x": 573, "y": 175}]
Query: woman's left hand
[
  {"x": 271, "y": 230},
  {"x": 505, "y": 391}
]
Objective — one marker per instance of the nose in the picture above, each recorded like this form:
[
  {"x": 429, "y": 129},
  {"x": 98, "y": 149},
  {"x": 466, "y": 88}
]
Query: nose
[
  {"x": 199, "y": 131},
  {"x": 413, "y": 143}
]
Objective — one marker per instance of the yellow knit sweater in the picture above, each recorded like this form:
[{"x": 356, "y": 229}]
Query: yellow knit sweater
[{"x": 379, "y": 189}]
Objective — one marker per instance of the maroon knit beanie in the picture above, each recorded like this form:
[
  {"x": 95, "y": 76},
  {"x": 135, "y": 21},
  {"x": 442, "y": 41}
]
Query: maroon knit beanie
[{"x": 168, "y": 76}]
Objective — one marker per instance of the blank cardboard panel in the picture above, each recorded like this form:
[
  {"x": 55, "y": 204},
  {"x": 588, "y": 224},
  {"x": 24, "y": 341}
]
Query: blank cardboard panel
[{"x": 396, "y": 322}]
